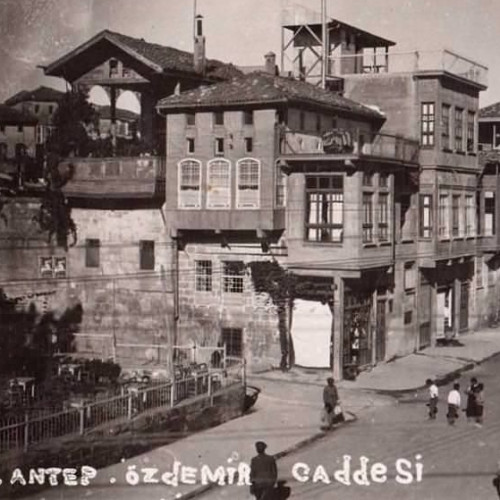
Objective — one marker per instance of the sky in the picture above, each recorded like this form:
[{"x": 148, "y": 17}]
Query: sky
[{"x": 238, "y": 31}]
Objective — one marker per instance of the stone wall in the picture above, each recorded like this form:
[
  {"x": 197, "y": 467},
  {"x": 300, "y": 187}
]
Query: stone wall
[{"x": 203, "y": 315}]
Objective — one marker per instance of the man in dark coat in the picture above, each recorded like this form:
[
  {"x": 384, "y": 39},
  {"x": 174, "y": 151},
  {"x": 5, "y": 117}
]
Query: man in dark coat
[
  {"x": 330, "y": 400},
  {"x": 263, "y": 473}
]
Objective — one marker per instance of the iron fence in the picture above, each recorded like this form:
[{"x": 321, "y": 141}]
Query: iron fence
[{"x": 21, "y": 432}]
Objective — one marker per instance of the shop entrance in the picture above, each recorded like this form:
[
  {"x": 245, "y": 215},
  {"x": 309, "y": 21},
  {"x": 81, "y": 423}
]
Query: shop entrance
[{"x": 357, "y": 330}]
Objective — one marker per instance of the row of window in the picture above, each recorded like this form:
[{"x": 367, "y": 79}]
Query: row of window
[
  {"x": 457, "y": 215},
  {"x": 20, "y": 128},
  {"x": 146, "y": 253},
  {"x": 36, "y": 109},
  {"x": 457, "y": 127},
  {"x": 325, "y": 209},
  {"x": 218, "y": 177},
  {"x": 232, "y": 277},
  {"x": 219, "y": 145},
  {"x": 218, "y": 118}
]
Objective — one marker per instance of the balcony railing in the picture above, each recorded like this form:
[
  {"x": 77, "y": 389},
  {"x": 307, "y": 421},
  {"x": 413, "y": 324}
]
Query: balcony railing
[
  {"x": 116, "y": 177},
  {"x": 409, "y": 62},
  {"x": 147, "y": 167},
  {"x": 354, "y": 143}
]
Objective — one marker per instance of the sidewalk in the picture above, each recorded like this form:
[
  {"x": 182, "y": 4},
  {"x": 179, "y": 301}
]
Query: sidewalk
[
  {"x": 409, "y": 372},
  {"x": 286, "y": 416}
]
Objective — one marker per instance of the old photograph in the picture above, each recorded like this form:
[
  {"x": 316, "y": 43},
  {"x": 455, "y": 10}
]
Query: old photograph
[{"x": 249, "y": 249}]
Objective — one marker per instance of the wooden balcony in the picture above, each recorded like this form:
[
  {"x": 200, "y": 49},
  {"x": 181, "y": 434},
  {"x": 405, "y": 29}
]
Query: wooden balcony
[
  {"x": 118, "y": 178},
  {"x": 339, "y": 144}
]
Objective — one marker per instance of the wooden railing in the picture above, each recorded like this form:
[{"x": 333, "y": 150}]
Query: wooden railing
[{"x": 350, "y": 142}]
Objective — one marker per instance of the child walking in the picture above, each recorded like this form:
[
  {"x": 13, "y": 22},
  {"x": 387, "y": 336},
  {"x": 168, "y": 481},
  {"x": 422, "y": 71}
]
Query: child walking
[{"x": 454, "y": 402}]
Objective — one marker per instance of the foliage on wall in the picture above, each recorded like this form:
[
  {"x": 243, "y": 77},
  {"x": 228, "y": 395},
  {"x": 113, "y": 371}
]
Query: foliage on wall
[
  {"x": 68, "y": 139},
  {"x": 283, "y": 287}
]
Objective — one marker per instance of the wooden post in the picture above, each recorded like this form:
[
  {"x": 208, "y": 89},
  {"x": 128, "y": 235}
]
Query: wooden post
[
  {"x": 172, "y": 393},
  {"x": 112, "y": 92},
  {"x": 26, "y": 431},
  {"x": 129, "y": 407},
  {"x": 82, "y": 420},
  {"x": 338, "y": 327}
]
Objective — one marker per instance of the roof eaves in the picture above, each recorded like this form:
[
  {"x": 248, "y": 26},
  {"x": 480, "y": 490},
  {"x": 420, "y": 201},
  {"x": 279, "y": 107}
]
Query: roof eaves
[
  {"x": 210, "y": 105},
  {"x": 107, "y": 35}
]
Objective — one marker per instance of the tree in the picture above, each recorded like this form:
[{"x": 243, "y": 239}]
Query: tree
[
  {"x": 29, "y": 339},
  {"x": 72, "y": 116},
  {"x": 283, "y": 287},
  {"x": 69, "y": 138}
]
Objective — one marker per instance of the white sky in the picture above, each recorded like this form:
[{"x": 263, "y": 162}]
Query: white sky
[{"x": 242, "y": 31}]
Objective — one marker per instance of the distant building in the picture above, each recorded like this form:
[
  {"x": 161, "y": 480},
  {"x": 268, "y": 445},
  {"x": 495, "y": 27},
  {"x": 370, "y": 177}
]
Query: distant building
[
  {"x": 41, "y": 102},
  {"x": 127, "y": 122},
  {"x": 17, "y": 133}
]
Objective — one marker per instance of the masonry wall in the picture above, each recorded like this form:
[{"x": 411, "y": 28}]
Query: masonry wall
[
  {"x": 127, "y": 309},
  {"x": 203, "y": 315}
]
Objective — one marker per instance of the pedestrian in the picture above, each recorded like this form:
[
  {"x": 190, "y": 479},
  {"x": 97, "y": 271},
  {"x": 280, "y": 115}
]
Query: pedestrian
[
  {"x": 433, "y": 398},
  {"x": 479, "y": 394},
  {"x": 470, "y": 409},
  {"x": 330, "y": 401},
  {"x": 263, "y": 473},
  {"x": 454, "y": 402},
  {"x": 496, "y": 481}
]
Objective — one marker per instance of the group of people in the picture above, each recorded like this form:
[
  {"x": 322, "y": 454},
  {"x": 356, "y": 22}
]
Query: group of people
[{"x": 474, "y": 407}]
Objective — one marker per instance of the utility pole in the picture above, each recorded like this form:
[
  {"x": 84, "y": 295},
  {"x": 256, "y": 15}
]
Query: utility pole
[{"x": 324, "y": 43}]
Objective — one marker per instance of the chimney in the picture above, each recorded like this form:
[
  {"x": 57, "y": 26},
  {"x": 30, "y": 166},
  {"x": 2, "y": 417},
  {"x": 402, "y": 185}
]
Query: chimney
[
  {"x": 270, "y": 65},
  {"x": 199, "y": 45}
]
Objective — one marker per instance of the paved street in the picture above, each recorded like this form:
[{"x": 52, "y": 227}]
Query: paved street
[{"x": 458, "y": 461}]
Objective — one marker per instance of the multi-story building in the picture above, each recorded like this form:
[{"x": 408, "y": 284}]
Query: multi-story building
[
  {"x": 17, "y": 133},
  {"x": 118, "y": 268},
  {"x": 41, "y": 102},
  {"x": 431, "y": 98},
  {"x": 224, "y": 188},
  {"x": 488, "y": 210}
]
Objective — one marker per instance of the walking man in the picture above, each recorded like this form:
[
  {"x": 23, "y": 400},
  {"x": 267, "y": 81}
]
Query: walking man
[
  {"x": 479, "y": 394},
  {"x": 454, "y": 402},
  {"x": 433, "y": 398},
  {"x": 330, "y": 400},
  {"x": 471, "y": 408},
  {"x": 496, "y": 481},
  {"x": 263, "y": 473}
]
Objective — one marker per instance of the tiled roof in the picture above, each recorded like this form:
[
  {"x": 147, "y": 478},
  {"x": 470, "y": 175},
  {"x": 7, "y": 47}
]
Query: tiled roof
[
  {"x": 12, "y": 116},
  {"x": 262, "y": 88},
  {"x": 491, "y": 111},
  {"x": 121, "y": 114},
  {"x": 162, "y": 58},
  {"x": 40, "y": 94}
]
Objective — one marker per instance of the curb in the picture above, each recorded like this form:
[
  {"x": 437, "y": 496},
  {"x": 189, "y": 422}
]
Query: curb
[{"x": 301, "y": 444}]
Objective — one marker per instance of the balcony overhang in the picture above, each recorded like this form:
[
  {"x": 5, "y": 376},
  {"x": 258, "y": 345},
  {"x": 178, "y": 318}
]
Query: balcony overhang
[{"x": 348, "y": 146}]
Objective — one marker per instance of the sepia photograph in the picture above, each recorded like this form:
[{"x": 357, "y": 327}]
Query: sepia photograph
[{"x": 249, "y": 249}]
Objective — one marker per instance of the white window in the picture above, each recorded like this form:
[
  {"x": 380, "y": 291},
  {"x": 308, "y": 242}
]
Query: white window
[
  {"x": 219, "y": 184},
  {"x": 248, "y": 183},
  {"x": 470, "y": 216},
  {"x": 189, "y": 191},
  {"x": 444, "y": 216},
  {"x": 233, "y": 273}
]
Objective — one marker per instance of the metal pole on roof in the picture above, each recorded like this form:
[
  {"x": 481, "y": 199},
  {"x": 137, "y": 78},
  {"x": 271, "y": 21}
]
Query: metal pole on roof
[
  {"x": 194, "y": 19},
  {"x": 324, "y": 47}
]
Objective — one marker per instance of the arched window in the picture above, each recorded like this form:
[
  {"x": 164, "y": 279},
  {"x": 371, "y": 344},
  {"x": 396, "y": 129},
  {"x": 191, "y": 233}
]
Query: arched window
[
  {"x": 248, "y": 183},
  {"x": 189, "y": 184},
  {"x": 219, "y": 184}
]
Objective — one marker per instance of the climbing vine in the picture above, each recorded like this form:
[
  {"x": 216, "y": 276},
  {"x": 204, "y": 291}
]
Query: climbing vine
[
  {"x": 54, "y": 215},
  {"x": 282, "y": 288}
]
